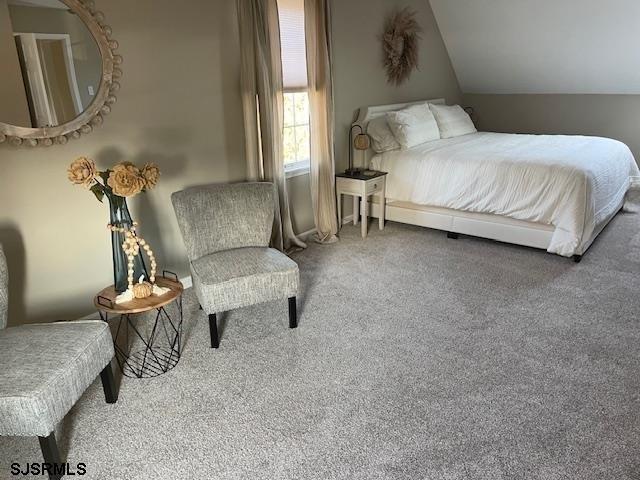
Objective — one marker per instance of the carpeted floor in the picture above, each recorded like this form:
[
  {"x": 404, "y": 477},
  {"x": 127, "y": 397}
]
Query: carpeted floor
[{"x": 417, "y": 357}]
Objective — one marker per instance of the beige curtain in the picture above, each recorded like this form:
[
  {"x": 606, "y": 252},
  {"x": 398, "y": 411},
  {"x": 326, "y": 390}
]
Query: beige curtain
[
  {"x": 262, "y": 103},
  {"x": 318, "y": 39}
]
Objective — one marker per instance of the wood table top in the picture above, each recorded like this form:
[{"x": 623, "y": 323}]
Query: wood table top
[{"x": 138, "y": 305}]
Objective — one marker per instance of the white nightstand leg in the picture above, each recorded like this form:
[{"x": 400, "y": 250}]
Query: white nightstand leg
[
  {"x": 339, "y": 200},
  {"x": 381, "y": 199},
  {"x": 363, "y": 214},
  {"x": 356, "y": 209}
]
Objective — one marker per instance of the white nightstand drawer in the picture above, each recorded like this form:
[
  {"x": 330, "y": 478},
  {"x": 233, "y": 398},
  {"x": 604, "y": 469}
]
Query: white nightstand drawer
[{"x": 375, "y": 185}]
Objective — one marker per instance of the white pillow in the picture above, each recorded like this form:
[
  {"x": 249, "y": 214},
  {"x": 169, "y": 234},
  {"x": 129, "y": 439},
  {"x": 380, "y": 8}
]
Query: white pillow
[
  {"x": 382, "y": 139},
  {"x": 453, "y": 121},
  {"x": 413, "y": 125}
]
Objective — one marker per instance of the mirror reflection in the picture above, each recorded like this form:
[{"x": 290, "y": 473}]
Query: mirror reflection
[{"x": 53, "y": 63}]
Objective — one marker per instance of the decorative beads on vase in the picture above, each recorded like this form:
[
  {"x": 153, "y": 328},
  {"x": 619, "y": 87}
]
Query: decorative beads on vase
[
  {"x": 131, "y": 247},
  {"x": 147, "y": 249}
]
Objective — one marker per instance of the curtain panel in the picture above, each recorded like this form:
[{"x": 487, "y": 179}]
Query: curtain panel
[
  {"x": 262, "y": 104},
  {"x": 320, "y": 84}
]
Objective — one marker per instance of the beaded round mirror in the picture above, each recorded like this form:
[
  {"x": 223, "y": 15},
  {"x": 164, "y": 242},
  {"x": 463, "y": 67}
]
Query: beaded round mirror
[{"x": 61, "y": 71}]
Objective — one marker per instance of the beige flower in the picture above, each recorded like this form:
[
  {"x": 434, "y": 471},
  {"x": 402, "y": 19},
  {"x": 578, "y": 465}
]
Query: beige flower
[
  {"x": 125, "y": 180},
  {"x": 151, "y": 173},
  {"x": 82, "y": 171}
]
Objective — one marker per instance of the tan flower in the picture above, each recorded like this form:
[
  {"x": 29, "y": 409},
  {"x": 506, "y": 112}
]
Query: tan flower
[
  {"x": 125, "y": 180},
  {"x": 82, "y": 171},
  {"x": 150, "y": 173}
]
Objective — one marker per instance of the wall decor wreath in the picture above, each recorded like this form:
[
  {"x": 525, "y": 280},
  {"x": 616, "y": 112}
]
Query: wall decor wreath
[{"x": 400, "y": 45}]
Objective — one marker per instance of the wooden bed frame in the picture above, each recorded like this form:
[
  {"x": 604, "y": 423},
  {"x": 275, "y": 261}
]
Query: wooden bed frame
[{"x": 454, "y": 222}]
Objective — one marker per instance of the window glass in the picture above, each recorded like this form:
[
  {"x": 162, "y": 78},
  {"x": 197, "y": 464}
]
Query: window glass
[{"x": 297, "y": 147}]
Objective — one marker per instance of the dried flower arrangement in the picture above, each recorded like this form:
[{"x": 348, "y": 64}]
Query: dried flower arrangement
[
  {"x": 400, "y": 45},
  {"x": 122, "y": 181}
]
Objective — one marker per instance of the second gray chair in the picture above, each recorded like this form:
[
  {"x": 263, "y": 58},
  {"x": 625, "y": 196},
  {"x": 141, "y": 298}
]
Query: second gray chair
[
  {"x": 226, "y": 230},
  {"x": 45, "y": 369}
]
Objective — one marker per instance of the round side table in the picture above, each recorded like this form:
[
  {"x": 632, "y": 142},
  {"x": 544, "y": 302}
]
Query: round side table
[{"x": 148, "y": 330}]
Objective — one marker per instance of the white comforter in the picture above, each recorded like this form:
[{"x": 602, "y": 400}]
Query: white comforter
[{"x": 571, "y": 182}]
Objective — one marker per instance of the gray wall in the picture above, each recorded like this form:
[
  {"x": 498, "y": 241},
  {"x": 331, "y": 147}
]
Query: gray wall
[
  {"x": 359, "y": 78},
  {"x": 614, "y": 116},
  {"x": 299, "y": 190},
  {"x": 179, "y": 106}
]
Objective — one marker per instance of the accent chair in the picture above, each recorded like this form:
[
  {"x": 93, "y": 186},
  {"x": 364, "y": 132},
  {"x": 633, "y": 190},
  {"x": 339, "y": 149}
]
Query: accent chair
[
  {"x": 44, "y": 370},
  {"x": 226, "y": 231}
]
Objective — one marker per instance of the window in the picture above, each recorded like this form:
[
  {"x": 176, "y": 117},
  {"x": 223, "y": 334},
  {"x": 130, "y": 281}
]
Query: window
[
  {"x": 296, "y": 145},
  {"x": 296, "y": 130}
]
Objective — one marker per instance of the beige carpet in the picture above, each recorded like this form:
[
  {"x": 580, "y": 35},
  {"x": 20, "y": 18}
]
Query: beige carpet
[{"x": 417, "y": 357}]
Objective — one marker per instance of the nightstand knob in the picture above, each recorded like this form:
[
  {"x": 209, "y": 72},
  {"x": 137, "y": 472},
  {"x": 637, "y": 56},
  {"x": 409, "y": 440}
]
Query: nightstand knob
[{"x": 375, "y": 185}]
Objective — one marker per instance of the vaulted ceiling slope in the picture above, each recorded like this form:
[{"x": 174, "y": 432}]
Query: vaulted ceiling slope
[{"x": 543, "y": 46}]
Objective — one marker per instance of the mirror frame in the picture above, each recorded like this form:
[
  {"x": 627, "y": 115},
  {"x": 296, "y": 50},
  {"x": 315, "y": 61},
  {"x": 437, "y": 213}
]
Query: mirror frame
[{"x": 105, "y": 97}]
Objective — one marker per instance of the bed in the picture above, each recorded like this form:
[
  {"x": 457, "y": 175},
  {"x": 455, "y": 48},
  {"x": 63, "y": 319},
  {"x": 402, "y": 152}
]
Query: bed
[{"x": 553, "y": 192}]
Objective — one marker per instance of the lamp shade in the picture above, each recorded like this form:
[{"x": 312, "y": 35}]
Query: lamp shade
[{"x": 361, "y": 141}]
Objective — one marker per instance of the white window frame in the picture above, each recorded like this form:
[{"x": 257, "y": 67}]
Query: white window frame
[{"x": 302, "y": 167}]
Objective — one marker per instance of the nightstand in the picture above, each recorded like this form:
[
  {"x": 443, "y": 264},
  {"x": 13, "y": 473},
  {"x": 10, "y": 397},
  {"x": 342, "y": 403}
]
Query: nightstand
[{"x": 360, "y": 186}]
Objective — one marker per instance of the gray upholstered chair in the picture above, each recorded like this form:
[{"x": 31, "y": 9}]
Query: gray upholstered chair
[
  {"x": 44, "y": 369},
  {"x": 226, "y": 229}
]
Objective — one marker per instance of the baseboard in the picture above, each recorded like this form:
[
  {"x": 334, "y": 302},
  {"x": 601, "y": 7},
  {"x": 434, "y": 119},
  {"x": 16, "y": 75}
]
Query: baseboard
[
  {"x": 186, "y": 282},
  {"x": 347, "y": 219},
  {"x": 305, "y": 235}
]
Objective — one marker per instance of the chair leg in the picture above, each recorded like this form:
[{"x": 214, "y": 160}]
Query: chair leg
[
  {"x": 51, "y": 455},
  {"x": 109, "y": 384},
  {"x": 293, "y": 315},
  {"x": 213, "y": 330}
]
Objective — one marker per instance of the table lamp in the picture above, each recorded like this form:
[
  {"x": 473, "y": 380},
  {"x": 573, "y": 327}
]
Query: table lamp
[{"x": 359, "y": 142}]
